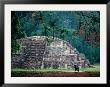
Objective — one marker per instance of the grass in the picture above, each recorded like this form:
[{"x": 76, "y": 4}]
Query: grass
[
  {"x": 89, "y": 69},
  {"x": 40, "y": 70},
  {"x": 55, "y": 72},
  {"x": 95, "y": 69}
]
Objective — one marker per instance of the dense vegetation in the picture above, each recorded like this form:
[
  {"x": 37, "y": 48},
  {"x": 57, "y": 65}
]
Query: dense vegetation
[{"x": 80, "y": 28}]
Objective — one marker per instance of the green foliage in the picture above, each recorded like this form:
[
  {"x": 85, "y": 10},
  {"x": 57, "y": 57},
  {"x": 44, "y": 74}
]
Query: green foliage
[
  {"x": 89, "y": 27},
  {"x": 63, "y": 33},
  {"x": 16, "y": 32},
  {"x": 49, "y": 40},
  {"x": 15, "y": 46}
]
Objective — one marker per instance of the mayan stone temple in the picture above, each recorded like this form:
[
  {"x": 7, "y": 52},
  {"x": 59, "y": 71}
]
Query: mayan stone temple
[{"x": 36, "y": 53}]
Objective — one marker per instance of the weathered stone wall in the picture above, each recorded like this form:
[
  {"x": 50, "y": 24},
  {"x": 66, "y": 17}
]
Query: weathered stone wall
[
  {"x": 35, "y": 53},
  {"x": 31, "y": 53}
]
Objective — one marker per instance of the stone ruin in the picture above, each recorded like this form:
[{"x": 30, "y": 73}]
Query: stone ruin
[{"x": 35, "y": 53}]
